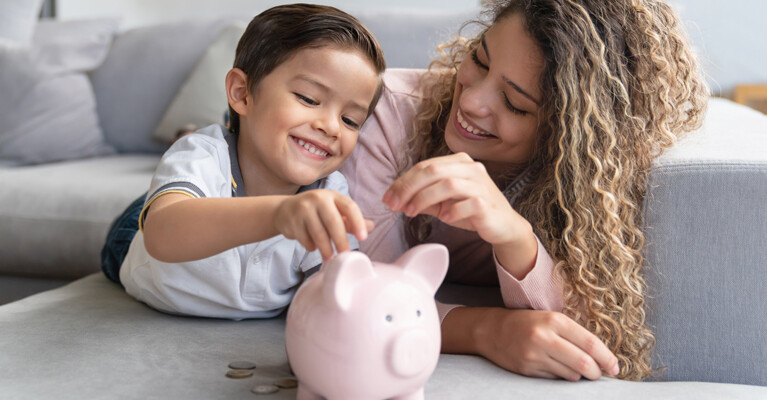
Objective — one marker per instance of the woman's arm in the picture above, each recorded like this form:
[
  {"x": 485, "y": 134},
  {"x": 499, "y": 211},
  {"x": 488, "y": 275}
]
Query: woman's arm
[{"x": 535, "y": 343}]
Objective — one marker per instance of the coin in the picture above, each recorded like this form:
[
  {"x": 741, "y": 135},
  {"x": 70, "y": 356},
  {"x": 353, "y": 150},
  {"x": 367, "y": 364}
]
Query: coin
[
  {"x": 264, "y": 389},
  {"x": 242, "y": 365},
  {"x": 287, "y": 383},
  {"x": 239, "y": 373}
]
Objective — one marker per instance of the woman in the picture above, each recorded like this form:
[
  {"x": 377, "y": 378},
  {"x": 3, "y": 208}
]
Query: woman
[{"x": 530, "y": 143}]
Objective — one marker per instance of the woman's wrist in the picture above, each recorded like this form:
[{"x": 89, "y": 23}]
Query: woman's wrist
[
  {"x": 518, "y": 255},
  {"x": 465, "y": 330}
]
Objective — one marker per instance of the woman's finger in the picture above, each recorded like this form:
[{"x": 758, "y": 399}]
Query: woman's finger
[
  {"x": 575, "y": 359},
  {"x": 425, "y": 174},
  {"x": 559, "y": 370},
  {"x": 590, "y": 345}
]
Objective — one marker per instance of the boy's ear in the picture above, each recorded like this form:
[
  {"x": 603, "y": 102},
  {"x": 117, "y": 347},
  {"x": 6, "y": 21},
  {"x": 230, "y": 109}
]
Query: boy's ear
[{"x": 237, "y": 90}]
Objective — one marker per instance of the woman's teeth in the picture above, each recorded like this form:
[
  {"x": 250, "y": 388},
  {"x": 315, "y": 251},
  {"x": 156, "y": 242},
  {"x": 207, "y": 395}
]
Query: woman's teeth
[
  {"x": 470, "y": 128},
  {"x": 312, "y": 149}
]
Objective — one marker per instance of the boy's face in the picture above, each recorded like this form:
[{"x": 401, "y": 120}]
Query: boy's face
[{"x": 303, "y": 118}]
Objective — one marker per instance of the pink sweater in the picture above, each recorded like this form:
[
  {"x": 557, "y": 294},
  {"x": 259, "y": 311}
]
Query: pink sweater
[{"x": 372, "y": 168}]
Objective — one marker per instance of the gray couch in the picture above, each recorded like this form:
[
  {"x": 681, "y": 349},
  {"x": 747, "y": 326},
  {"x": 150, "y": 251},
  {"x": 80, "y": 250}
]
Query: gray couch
[{"x": 705, "y": 216}]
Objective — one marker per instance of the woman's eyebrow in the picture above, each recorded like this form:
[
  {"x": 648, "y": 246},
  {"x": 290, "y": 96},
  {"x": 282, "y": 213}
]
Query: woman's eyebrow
[{"x": 507, "y": 80}]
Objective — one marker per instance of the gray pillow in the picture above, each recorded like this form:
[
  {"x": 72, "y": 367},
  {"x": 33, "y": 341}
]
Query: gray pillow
[{"x": 47, "y": 106}]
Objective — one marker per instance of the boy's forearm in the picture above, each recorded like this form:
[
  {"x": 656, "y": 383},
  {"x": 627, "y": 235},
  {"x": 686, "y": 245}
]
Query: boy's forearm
[{"x": 198, "y": 228}]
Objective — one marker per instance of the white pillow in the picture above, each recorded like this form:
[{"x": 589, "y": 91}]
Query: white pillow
[
  {"x": 17, "y": 21},
  {"x": 47, "y": 105},
  {"x": 202, "y": 98}
]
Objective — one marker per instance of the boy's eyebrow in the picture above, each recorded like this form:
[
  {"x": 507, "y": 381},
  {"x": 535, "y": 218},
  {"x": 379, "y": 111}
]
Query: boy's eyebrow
[
  {"x": 326, "y": 88},
  {"x": 509, "y": 81}
]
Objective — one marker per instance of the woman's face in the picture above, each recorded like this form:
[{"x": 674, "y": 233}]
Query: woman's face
[{"x": 494, "y": 116}]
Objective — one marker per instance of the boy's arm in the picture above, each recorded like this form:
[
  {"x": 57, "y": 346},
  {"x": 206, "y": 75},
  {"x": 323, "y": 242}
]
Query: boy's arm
[{"x": 178, "y": 228}]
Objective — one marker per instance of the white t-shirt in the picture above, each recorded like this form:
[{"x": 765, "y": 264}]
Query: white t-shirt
[{"x": 257, "y": 280}]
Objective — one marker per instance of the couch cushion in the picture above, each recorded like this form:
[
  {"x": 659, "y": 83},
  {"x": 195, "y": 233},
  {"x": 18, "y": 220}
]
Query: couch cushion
[
  {"x": 706, "y": 222},
  {"x": 54, "y": 217},
  {"x": 48, "y": 110},
  {"x": 91, "y": 340},
  {"x": 142, "y": 74}
]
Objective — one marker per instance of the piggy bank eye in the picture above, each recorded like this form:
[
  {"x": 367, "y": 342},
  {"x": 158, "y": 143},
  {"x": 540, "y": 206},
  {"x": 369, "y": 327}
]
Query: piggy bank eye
[
  {"x": 418, "y": 313},
  {"x": 388, "y": 318}
]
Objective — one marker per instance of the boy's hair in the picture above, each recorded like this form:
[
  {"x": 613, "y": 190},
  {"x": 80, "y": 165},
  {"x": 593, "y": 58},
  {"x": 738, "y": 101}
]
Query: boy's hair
[{"x": 276, "y": 34}]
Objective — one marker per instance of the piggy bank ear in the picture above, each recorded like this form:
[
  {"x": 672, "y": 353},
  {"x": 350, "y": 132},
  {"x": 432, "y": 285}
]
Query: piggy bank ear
[
  {"x": 342, "y": 275},
  {"x": 430, "y": 261}
]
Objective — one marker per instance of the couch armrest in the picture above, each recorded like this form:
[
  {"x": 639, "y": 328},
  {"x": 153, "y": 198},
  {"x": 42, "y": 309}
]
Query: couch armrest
[{"x": 706, "y": 223}]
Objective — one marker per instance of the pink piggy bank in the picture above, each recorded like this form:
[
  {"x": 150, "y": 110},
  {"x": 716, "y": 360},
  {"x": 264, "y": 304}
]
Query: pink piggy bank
[{"x": 362, "y": 330}]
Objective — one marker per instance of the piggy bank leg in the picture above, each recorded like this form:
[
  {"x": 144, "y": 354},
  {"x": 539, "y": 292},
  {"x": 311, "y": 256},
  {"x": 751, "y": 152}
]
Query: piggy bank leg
[
  {"x": 305, "y": 394},
  {"x": 417, "y": 395}
]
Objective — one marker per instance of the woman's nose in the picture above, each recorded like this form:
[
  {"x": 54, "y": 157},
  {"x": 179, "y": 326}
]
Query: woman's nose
[{"x": 476, "y": 99}]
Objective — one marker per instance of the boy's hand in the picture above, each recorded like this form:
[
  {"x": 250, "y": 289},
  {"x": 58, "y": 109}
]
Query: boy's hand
[{"x": 317, "y": 218}]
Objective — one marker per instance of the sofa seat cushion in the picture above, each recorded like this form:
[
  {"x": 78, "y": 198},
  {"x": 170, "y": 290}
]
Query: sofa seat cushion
[
  {"x": 91, "y": 340},
  {"x": 54, "y": 217}
]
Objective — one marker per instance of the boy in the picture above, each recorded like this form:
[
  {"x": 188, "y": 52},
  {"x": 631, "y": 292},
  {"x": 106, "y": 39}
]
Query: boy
[{"x": 217, "y": 226}]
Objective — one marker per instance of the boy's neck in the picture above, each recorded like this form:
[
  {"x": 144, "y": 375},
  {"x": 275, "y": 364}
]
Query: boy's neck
[{"x": 257, "y": 182}]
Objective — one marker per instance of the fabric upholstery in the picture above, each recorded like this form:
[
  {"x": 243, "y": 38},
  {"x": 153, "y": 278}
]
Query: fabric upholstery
[
  {"x": 90, "y": 340},
  {"x": 141, "y": 76},
  {"x": 54, "y": 217},
  {"x": 706, "y": 222},
  {"x": 47, "y": 108}
]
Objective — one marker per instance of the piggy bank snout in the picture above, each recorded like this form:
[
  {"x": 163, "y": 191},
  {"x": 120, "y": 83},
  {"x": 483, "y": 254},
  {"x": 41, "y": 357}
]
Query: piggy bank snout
[{"x": 411, "y": 353}]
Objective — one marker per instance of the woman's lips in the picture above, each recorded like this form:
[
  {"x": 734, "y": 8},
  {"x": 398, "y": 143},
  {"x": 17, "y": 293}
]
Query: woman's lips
[{"x": 466, "y": 129}]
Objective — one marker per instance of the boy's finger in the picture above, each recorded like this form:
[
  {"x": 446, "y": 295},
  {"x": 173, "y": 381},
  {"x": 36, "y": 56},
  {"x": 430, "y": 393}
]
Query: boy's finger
[
  {"x": 354, "y": 222},
  {"x": 316, "y": 231},
  {"x": 334, "y": 226}
]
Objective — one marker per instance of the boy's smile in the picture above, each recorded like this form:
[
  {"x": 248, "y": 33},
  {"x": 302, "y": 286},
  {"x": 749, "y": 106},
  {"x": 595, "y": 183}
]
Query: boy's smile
[{"x": 302, "y": 120}]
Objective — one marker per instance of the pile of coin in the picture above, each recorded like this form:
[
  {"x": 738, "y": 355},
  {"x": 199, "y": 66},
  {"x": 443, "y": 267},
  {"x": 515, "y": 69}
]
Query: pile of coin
[{"x": 244, "y": 369}]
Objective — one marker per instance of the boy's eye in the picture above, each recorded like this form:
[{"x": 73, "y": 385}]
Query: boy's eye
[
  {"x": 306, "y": 100},
  {"x": 349, "y": 122}
]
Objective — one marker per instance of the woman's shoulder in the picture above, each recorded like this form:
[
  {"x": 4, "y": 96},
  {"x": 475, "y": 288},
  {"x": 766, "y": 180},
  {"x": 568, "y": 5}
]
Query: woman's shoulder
[{"x": 404, "y": 81}]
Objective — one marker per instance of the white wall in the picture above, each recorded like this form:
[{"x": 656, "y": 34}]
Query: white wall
[
  {"x": 728, "y": 34},
  {"x": 142, "y": 12},
  {"x": 731, "y": 39}
]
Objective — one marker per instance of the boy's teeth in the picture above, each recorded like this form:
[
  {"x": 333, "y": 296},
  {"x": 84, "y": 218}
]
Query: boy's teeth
[{"x": 311, "y": 148}]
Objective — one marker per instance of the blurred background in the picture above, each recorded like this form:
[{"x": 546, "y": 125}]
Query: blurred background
[{"x": 728, "y": 34}]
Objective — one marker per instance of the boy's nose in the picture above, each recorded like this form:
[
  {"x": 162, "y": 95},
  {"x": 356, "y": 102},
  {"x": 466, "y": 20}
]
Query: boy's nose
[{"x": 326, "y": 123}]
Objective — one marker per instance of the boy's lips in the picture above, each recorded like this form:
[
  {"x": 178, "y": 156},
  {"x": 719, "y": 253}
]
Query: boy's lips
[{"x": 313, "y": 147}]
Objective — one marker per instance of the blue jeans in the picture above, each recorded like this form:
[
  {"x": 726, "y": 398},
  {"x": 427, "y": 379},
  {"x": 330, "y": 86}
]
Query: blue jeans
[{"x": 118, "y": 241}]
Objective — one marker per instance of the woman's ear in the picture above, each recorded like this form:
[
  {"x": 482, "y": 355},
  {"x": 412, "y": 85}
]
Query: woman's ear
[{"x": 237, "y": 90}]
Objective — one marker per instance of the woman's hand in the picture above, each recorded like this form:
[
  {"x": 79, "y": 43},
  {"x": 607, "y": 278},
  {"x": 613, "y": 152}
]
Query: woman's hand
[
  {"x": 319, "y": 219},
  {"x": 534, "y": 343},
  {"x": 460, "y": 192}
]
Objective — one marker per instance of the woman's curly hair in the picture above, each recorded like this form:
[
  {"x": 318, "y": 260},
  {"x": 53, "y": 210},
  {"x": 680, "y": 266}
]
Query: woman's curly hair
[{"x": 619, "y": 83}]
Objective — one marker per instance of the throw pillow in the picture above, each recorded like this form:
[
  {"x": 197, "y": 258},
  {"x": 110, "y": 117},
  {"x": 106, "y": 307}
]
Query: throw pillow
[
  {"x": 47, "y": 106},
  {"x": 202, "y": 98},
  {"x": 17, "y": 21}
]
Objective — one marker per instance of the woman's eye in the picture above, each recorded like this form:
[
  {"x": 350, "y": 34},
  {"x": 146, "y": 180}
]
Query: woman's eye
[
  {"x": 511, "y": 108},
  {"x": 350, "y": 123},
  {"x": 306, "y": 100},
  {"x": 475, "y": 58}
]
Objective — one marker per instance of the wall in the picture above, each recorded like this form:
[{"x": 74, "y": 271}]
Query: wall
[{"x": 728, "y": 34}]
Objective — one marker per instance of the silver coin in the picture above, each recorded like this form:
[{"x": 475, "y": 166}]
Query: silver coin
[
  {"x": 239, "y": 373},
  {"x": 264, "y": 389},
  {"x": 287, "y": 383},
  {"x": 242, "y": 365}
]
